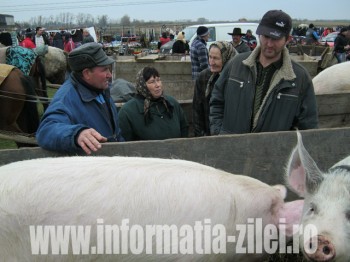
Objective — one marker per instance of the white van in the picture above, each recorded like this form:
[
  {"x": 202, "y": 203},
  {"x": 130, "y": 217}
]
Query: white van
[{"x": 219, "y": 32}]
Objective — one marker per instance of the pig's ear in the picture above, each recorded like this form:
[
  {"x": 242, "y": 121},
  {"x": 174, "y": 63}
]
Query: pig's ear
[{"x": 302, "y": 173}]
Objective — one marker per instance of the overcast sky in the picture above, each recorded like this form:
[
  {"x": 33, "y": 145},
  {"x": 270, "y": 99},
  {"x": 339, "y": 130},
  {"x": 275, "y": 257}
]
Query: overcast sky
[{"x": 175, "y": 10}]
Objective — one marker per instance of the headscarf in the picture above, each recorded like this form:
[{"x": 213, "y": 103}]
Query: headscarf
[
  {"x": 142, "y": 90},
  {"x": 227, "y": 52},
  {"x": 181, "y": 36}
]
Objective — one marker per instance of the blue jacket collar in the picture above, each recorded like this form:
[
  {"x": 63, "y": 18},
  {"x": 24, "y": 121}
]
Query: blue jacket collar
[{"x": 85, "y": 93}]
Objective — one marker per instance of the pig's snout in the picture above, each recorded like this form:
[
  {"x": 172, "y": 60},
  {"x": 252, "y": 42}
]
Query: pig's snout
[{"x": 319, "y": 248}]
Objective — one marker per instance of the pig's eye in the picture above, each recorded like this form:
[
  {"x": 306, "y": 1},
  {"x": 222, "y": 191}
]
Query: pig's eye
[
  {"x": 347, "y": 215},
  {"x": 312, "y": 208}
]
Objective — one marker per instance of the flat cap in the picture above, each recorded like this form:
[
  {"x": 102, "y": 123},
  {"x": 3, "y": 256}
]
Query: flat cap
[{"x": 87, "y": 56}]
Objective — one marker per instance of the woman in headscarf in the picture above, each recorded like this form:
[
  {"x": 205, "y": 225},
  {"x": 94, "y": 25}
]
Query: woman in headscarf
[
  {"x": 220, "y": 53},
  {"x": 151, "y": 115}
]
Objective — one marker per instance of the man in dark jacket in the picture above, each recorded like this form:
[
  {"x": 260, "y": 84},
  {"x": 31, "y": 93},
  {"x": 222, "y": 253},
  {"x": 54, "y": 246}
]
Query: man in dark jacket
[
  {"x": 264, "y": 90},
  {"x": 311, "y": 35},
  {"x": 58, "y": 40},
  {"x": 237, "y": 41},
  {"x": 82, "y": 114},
  {"x": 341, "y": 45},
  {"x": 87, "y": 38}
]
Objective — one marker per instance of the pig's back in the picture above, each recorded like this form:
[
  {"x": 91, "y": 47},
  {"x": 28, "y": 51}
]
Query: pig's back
[
  {"x": 80, "y": 190},
  {"x": 128, "y": 184}
]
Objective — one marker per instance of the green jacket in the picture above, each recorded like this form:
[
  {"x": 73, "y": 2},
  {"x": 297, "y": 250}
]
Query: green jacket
[
  {"x": 290, "y": 101},
  {"x": 132, "y": 123}
]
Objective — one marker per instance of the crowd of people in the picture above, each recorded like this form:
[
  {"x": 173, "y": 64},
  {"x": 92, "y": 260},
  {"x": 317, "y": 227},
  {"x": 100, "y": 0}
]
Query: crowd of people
[
  {"x": 313, "y": 35},
  {"x": 65, "y": 40},
  {"x": 255, "y": 89}
]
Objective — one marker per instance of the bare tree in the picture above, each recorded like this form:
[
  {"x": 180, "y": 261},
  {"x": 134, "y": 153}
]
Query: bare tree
[
  {"x": 85, "y": 20},
  {"x": 102, "y": 21},
  {"x": 80, "y": 19},
  {"x": 70, "y": 19},
  {"x": 89, "y": 20},
  {"x": 40, "y": 20},
  {"x": 202, "y": 20},
  {"x": 67, "y": 19},
  {"x": 125, "y": 20}
]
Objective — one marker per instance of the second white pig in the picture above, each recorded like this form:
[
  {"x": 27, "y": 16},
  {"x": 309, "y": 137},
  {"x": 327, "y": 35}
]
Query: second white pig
[{"x": 327, "y": 205}]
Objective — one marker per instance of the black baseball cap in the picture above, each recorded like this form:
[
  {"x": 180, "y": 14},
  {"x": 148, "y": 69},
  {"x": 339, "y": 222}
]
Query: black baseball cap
[{"x": 275, "y": 24}]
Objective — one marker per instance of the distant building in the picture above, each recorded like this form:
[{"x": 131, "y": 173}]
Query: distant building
[
  {"x": 8, "y": 35},
  {"x": 6, "y": 20}
]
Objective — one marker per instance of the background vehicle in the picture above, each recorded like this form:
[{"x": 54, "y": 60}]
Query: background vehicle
[
  {"x": 329, "y": 39},
  {"x": 219, "y": 32}
]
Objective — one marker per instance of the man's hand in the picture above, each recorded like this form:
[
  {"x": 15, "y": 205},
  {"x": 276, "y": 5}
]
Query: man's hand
[{"x": 89, "y": 140}]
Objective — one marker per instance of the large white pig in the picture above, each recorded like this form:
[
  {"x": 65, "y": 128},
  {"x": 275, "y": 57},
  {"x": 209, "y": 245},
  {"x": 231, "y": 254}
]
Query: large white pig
[
  {"x": 326, "y": 205},
  {"x": 103, "y": 191},
  {"x": 333, "y": 79}
]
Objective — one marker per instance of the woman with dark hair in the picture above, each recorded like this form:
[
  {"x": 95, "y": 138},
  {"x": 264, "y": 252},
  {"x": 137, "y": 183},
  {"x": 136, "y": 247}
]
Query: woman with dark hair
[
  {"x": 28, "y": 42},
  {"x": 68, "y": 44},
  {"x": 57, "y": 40},
  {"x": 163, "y": 40},
  {"x": 151, "y": 115}
]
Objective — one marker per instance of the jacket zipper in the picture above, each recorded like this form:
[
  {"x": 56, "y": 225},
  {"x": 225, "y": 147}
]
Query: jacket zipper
[
  {"x": 268, "y": 101},
  {"x": 280, "y": 94},
  {"x": 239, "y": 82}
]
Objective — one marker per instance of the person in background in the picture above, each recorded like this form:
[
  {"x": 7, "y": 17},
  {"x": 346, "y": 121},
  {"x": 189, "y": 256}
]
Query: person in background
[
  {"x": 264, "y": 90},
  {"x": 28, "y": 42},
  {"x": 82, "y": 114},
  {"x": 199, "y": 51},
  {"x": 68, "y": 44},
  {"x": 311, "y": 36},
  {"x": 180, "y": 46},
  {"x": 250, "y": 39},
  {"x": 40, "y": 38},
  {"x": 51, "y": 35},
  {"x": 220, "y": 53},
  {"x": 58, "y": 40},
  {"x": 77, "y": 37},
  {"x": 341, "y": 45},
  {"x": 237, "y": 41},
  {"x": 326, "y": 31},
  {"x": 163, "y": 40},
  {"x": 151, "y": 115},
  {"x": 87, "y": 38}
]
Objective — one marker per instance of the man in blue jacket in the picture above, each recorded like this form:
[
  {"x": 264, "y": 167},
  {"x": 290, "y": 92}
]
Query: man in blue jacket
[{"x": 82, "y": 114}]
